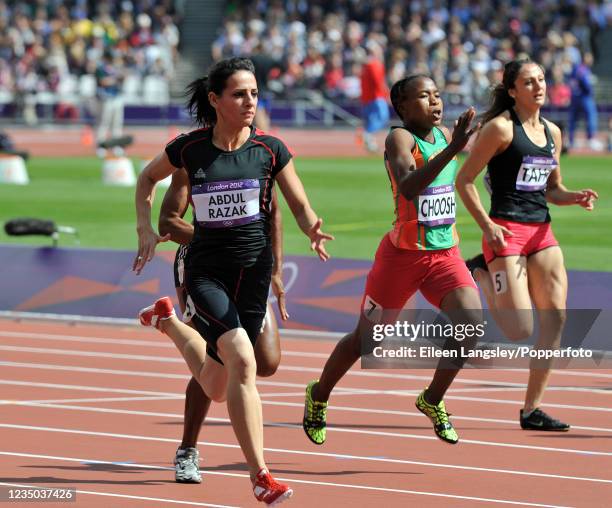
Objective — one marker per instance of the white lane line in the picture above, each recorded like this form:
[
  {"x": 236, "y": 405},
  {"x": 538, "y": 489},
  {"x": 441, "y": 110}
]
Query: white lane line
[
  {"x": 290, "y": 480},
  {"x": 110, "y": 494},
  {"x": 93, "y": 354},
  {"x": 413, "y": 393},
  {"x": 294, "y": 385},
  {"x": 94, "y": 370},
  {"x": 286, "y": 352},
  {"x": 177, "y": 360},
  {"x": 180, "y": 395},
  {"x": 520, "y": 402},
  {"x": 312, "y": 454},
  {"x": 331, "y": 429},
  {"x": 427, "y": 378},
  {"x": 102, "y": 399},
  {"x": 84, "y": 388},
  {"x": 118, "y": 372},
  {"x": 85, "y": 339},
  {"x": 339, "y": 391}
]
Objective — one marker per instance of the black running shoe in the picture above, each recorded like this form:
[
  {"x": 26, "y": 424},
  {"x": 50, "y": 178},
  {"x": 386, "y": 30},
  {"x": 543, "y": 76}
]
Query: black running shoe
[
  {"x": 476, "y": 262},
  {"x": 539, "y": 420}
]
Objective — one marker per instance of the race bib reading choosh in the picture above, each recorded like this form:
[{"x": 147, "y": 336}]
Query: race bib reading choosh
[{"x": 437, "y": 205}]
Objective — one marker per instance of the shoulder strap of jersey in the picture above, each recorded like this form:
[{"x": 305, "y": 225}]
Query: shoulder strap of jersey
[
  {"x": 514, "y": 116},
  {"x": 549, "y": 137}
]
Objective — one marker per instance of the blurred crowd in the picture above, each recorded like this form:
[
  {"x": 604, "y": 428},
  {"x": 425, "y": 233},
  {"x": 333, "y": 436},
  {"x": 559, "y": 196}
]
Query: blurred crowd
[
  {"x": 52, "y": 49},
  {"x": 322, "y": 44}
]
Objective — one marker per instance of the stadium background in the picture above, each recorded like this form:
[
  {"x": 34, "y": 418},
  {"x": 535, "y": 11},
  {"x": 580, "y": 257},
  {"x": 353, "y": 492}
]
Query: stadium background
[{"x": 49, "y": 54}]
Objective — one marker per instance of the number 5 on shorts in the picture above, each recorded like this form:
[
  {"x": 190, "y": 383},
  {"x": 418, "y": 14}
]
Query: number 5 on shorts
[{"x": 500, "y": 283}]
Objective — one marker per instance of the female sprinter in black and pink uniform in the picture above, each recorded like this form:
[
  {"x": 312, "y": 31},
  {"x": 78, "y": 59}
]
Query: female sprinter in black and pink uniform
[{"x": 522, "y": 261}]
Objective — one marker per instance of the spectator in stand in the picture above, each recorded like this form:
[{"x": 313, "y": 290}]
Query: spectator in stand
[
  {"x": 109, "y": 79},
  {"x": 264, "y": 65},
  {"x": 334, "y": 74},
  {"x": 52, "y": 49},
  {"x": 583, "y": 102},
  {"x": 374, "y": 94},
  {"x": 397, "y": 65},
  {"x": 351, "y": 83},
  {"x": 314, "y": 69},
  {"x": 559, "y": 96}
]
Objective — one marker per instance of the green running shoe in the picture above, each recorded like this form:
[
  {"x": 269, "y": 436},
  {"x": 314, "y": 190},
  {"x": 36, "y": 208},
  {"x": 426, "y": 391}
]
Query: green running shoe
[
  {"x": 315, "y": 416},
  {"x": 439, "y": 417}
]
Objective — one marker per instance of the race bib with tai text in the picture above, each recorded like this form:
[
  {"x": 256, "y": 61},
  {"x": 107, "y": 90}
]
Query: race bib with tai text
[{"x": 534, "y": 172}]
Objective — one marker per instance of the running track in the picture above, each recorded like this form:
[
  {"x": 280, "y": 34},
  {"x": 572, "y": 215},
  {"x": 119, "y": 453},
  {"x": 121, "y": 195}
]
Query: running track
[{"x": 99, "y": 409}]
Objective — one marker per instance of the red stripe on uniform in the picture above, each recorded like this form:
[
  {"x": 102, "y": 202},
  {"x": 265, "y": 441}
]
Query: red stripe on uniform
[
  {"x": 238, "y": 284},
  {"x": 185, "y": 148},
  {"x": 268, "y": 149}
]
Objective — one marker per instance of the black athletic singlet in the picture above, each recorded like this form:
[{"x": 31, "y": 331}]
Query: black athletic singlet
[
  {"x": 519, "y": 176},
  {"x": 230, "y": 194}
]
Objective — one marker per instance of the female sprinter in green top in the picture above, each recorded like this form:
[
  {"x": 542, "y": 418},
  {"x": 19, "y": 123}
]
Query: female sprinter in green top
[{"x": 419, "y": 253}]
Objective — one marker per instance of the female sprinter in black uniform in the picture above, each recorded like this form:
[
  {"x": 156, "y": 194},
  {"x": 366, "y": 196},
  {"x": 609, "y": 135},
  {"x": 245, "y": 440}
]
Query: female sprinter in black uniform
[
  {"x": 521, "y": 254},
  {"x": 231, "y": 167},
  {"x": 267, "y": 347}
]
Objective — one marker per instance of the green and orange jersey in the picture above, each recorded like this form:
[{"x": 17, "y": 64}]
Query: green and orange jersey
[{"x": 426, "y": 222}]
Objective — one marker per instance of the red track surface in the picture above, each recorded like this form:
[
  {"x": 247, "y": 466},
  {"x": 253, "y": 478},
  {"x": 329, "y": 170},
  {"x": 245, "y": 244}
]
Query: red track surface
[{"x": 99, "y": 409}]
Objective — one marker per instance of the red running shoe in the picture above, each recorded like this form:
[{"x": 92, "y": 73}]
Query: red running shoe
[
  {"x": 268, "y": 490},
  {"x": 154, "y": 314}
]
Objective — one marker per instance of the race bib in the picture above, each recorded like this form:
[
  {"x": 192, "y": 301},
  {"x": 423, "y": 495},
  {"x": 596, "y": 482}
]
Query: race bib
[
  {"x": 533, "y": 173},
  {"x": 437, "y": 205},
  {"x": 226, "y": 204}
]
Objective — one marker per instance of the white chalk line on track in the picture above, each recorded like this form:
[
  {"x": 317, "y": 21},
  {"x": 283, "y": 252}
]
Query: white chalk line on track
[
  {"x": 110, "y": 494},
  {"x": 116, "y": 356},
  {"x": 84, "y": 388},
  {"x": 178, "y": 360},
  {"x": 340, "y": 392},
  {"x": 330, "y": 429},
  {"x": 103, "y": 399},
  {"x": 420, "y": 415},
  {"x": 299, "y": 452},
  {"x": 413, "y": 393},
  {"x": 118, "y": 372},
  {"x": 306, "y": 354},
  {"x": 291, "y": 480},
  {"x": 172, "y": 395}
]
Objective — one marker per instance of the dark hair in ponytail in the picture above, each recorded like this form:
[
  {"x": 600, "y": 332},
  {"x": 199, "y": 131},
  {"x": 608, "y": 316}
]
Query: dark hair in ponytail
[
  {"x": 500, "y": 98},
  {"x": 197, "y": 91},
  {"x": 400, "y": 89}
]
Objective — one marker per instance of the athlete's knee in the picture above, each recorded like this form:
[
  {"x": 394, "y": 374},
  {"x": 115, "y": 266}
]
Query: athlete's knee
[
  {"x": 215, "y": 390},
  {"x": 268, "y": 366},
  {"x": 552, "y": 318},
  {"x": 519, "y": 330},
  {"x": 267, "y": 352},
  {"x": 193, "y": 389},
  {"x": 360, "y": 341},
  {"x": 241, "y": 365}
]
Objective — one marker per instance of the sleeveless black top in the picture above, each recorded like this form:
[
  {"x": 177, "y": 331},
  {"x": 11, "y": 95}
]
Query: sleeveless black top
[{"x": 519, "y": 176}]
